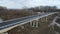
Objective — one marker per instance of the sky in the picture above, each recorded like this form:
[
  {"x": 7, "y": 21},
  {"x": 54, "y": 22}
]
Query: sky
[{"x": 17, "y": 4}]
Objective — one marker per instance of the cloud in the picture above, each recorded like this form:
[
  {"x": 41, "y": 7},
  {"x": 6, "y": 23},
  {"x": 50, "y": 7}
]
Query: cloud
[
  {"x": 28, "y": 3},
  {"x": 10, "y": 4}
]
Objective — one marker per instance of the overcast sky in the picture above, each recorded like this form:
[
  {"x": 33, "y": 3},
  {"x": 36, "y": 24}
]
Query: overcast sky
[{"x": 28, "y": 3}]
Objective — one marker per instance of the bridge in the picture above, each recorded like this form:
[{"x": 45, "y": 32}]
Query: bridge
[
  {"x": 55, "y": 25},
  {"x": 10, "y": 24}
]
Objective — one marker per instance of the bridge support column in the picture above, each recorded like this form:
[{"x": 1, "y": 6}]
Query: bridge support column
[
  {"x": 33, "y": 24},
  {"x": 37, "y": 23},
  {"x": 41, "y": 19},
  {"x": 46, "y": 19}
]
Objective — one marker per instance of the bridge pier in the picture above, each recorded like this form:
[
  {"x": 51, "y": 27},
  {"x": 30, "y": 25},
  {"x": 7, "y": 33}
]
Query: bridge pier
[
  {"x": 34, "y": 23},
  {"x": 37, "y": 23},
  {"x": 46, "y": 19},
  {"x": 41, "y": 19}
]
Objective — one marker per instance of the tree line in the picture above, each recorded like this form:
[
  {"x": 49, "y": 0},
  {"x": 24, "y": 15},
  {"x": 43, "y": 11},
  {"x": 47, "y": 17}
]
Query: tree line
[{"x": 6, "y": 13}]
